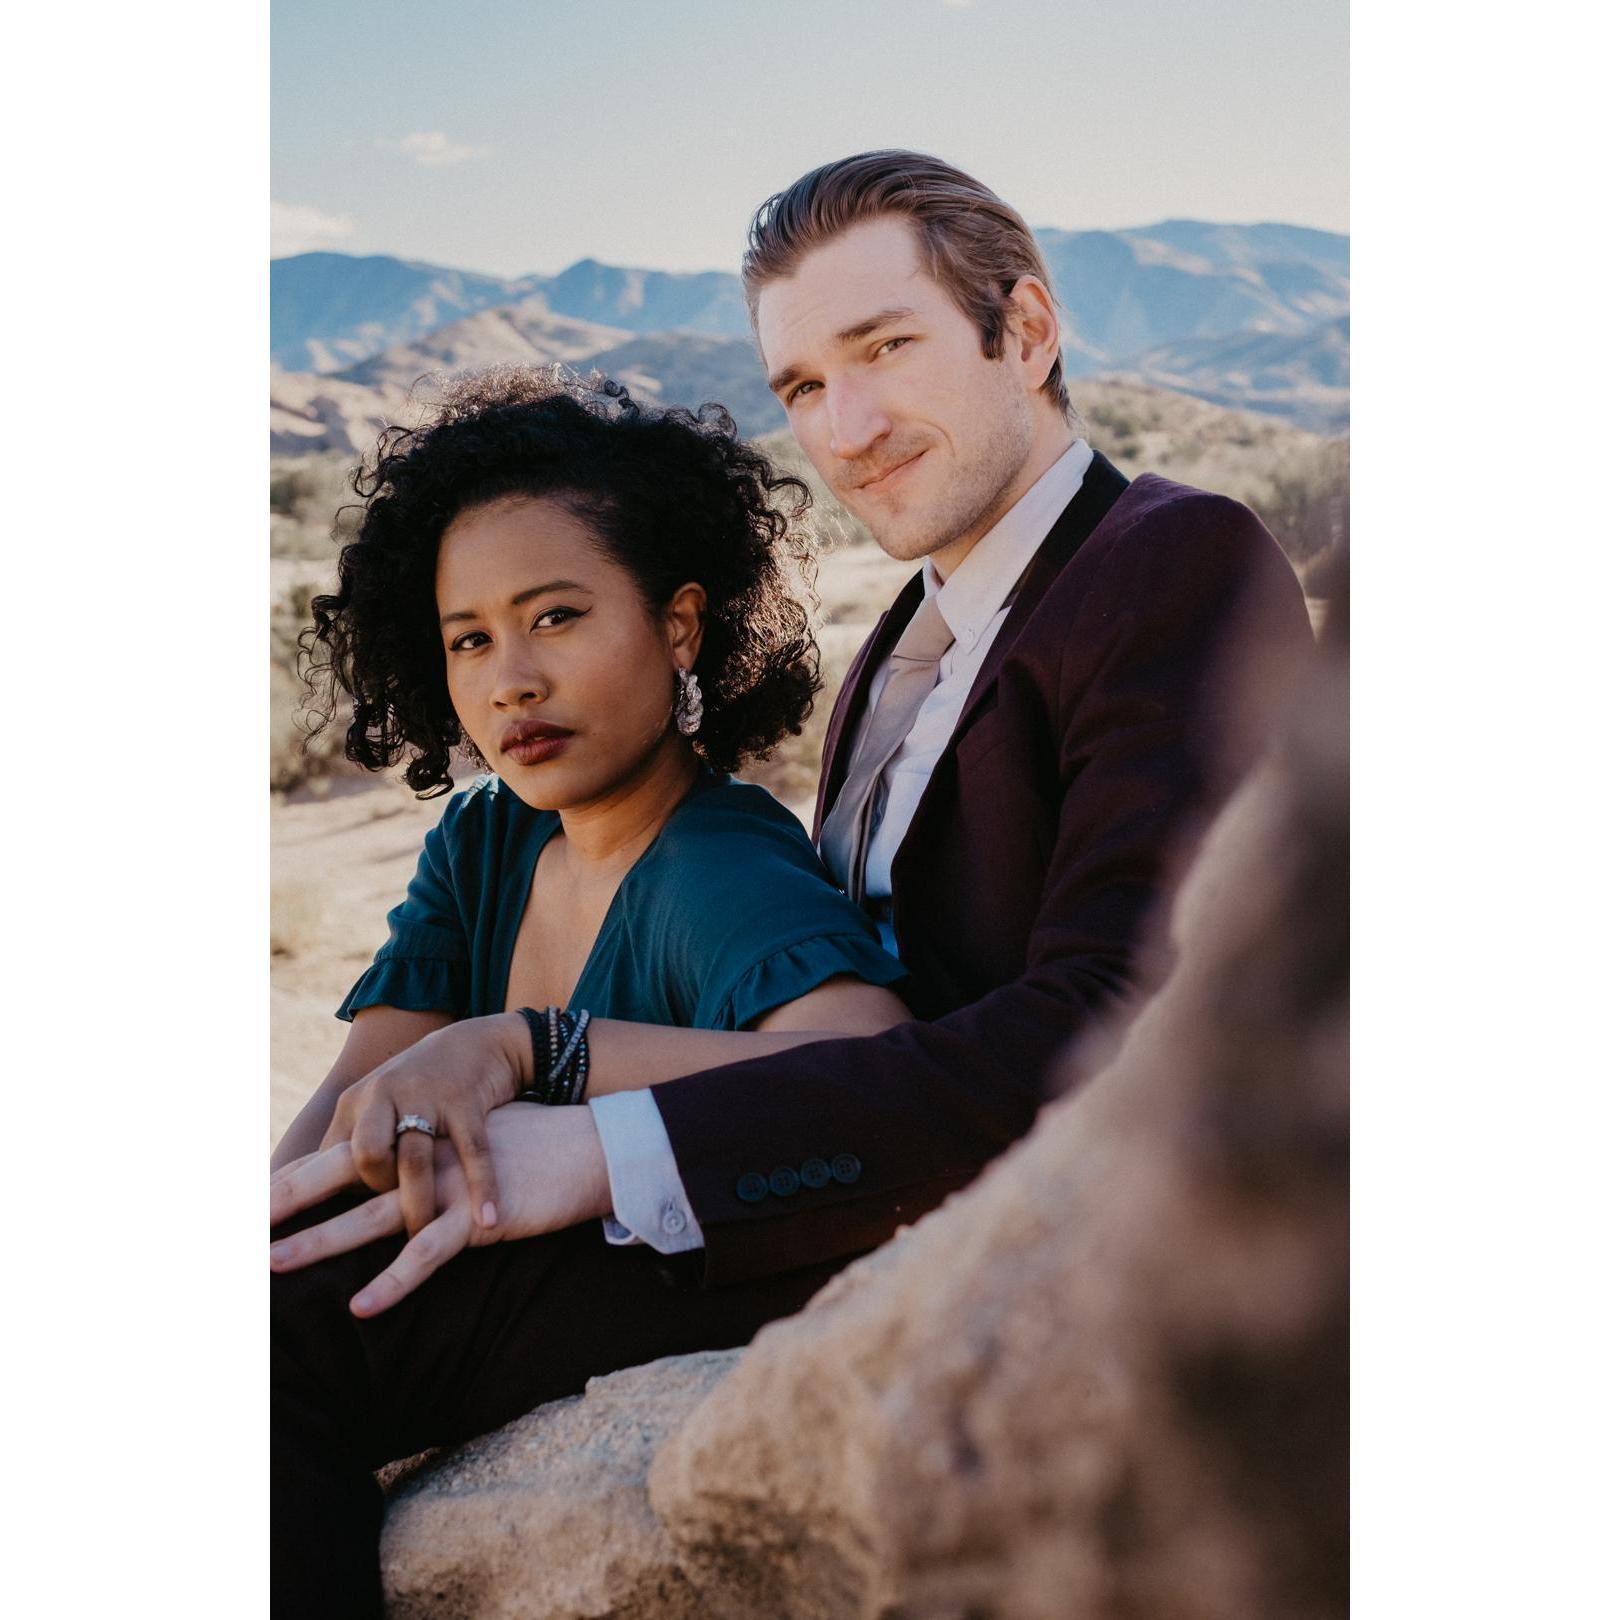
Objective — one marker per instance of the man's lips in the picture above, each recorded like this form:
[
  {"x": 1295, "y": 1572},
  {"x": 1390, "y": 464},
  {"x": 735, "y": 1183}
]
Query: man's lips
[
  {"x": 878, "y": 480},
  {"x": 530, "y": 741}
]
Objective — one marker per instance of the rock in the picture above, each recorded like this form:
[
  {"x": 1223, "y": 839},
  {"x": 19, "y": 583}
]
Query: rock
[
  {"x": 1110, "y": 1377},
  {"x": 548, "y": 1518}
]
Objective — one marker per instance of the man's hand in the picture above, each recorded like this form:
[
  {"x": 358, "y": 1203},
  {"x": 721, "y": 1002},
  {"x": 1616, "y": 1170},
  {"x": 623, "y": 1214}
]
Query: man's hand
[
  {"x": 549, "y": 1159},
  {"x": 452, "y": 1078}
]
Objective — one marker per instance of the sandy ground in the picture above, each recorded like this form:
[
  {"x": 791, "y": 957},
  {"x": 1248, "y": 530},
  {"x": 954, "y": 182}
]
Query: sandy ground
[{"x": 336, "y": 867}]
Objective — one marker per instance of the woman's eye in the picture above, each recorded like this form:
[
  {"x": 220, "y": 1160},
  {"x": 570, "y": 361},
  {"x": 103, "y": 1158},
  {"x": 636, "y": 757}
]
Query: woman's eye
[
  {"x": 468, "y": 640},
  {"x": 552, "y": 617}
]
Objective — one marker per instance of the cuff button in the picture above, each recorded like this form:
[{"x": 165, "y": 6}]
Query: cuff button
[
  {"x": 752, "y": 1187},
  {"x": 846, "y": 1168},
  {"x": 815, "y": 1173},
  {"x": 784, "y": 1181},
  {"x": 674, "y": 1223}
]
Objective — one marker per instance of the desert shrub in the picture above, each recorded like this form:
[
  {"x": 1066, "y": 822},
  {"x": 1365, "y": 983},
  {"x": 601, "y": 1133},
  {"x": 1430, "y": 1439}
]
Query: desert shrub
[
  {"x": 1308, "y": 505},
  {"x": 312, "y": 507},
  {"x": 295, "y": 756}
]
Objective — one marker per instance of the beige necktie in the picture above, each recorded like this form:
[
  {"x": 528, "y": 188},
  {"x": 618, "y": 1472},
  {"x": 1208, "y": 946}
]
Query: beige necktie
[{"x": 913, "y": 672}]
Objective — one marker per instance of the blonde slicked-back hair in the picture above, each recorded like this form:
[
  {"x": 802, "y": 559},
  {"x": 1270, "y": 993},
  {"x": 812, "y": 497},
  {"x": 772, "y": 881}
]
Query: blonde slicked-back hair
[{"x": 972, "y": 243}]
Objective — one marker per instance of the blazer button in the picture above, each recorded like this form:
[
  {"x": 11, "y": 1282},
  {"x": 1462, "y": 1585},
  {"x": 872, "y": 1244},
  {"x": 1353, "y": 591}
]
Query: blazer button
[
  {"x": 815, "y": 1173},
  {"x": 846, "y": 1168},
  {"x": 752, "y": 1187},
  {"x": 784, "y": 1181}
]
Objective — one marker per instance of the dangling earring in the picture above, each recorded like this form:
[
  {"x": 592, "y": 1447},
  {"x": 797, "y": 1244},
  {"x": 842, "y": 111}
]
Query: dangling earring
[{"x": 688, "y": 703}]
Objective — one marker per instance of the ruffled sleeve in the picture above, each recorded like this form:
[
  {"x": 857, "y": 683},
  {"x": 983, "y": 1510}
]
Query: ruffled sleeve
[
  {"x": 796, "y": 970},
  {"x": 740, "y": 916},
  {"x": 424, "y": 966}
]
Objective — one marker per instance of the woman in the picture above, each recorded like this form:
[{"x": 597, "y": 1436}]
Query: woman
[{"x": 589, "y": 598}]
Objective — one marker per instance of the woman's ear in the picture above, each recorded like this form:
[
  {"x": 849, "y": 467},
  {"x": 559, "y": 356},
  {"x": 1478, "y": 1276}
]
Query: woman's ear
[{"x": 683, "y": 620}]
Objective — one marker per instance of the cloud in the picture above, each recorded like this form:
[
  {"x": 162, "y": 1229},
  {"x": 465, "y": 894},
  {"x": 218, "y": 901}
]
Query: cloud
[
  {"x": 432, "y": 148},
  {"x": 295, "y": 228},
  {"x": 958, "y": 5}
]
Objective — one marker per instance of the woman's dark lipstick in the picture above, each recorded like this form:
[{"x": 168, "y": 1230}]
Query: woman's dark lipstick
[{"x": 530, "y": 742}]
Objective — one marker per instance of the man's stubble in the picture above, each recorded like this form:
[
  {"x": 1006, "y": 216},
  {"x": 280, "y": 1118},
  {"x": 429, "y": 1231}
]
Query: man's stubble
[{"x": 980, "y": 487}]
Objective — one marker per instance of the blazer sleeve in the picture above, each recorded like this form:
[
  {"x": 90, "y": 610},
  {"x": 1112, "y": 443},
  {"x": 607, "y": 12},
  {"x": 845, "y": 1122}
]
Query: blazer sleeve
[{"x": 876, "y": 1131}]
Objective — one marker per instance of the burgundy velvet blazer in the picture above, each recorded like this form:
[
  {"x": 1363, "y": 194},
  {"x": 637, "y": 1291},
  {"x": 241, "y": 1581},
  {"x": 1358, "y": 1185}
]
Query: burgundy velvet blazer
[{"x": 1092, "y": 743}]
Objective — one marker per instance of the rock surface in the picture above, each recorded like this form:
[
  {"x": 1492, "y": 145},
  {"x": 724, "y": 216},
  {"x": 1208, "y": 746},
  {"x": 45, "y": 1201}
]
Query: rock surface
[
  {"x": 548, "y": 1518},
  {"x": 1109, "y": 1379}
]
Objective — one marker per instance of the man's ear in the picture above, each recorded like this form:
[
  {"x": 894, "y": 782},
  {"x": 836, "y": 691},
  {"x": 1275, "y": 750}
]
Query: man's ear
[
  {"x": 1034, "y": 333},
  {"x": 683, "y": 621}
]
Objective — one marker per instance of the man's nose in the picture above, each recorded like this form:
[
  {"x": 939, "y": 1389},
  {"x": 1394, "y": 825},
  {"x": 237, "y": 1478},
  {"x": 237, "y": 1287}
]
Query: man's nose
[{"x": 856, "y": 419}]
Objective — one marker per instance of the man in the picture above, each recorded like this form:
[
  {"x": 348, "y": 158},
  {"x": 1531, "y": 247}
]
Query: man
[{"x": 1017, "y": 756}]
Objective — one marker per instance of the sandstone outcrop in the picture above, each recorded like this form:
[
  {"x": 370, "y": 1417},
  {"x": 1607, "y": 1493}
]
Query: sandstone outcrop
[{"x": 1108, "y": 1379}]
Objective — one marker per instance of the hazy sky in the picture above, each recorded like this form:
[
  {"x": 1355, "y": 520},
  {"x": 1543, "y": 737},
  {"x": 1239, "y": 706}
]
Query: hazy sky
[{"x": 521, "y": 135}]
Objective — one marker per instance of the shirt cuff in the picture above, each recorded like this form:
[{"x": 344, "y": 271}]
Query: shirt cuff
[{"x": 649, "y": 1202}]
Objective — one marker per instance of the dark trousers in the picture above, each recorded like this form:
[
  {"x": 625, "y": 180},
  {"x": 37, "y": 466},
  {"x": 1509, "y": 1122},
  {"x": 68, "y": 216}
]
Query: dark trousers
[{"x": 492, "y": 1334}]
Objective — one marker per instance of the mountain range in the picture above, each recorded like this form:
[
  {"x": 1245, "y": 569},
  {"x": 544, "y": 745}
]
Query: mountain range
[{"x": 1255, "y": 316}]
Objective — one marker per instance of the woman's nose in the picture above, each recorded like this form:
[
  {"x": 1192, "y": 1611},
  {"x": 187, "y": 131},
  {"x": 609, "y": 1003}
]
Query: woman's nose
[{"x": 518, "y": 680}]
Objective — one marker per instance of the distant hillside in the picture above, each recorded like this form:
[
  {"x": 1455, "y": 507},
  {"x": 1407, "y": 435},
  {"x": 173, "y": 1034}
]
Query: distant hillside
[
  {"x": 1125, "y": 292},
  {"x": 707, "y": 301},
  {"x": 1304, "y": 376},
  {"x": 329, "y": 310},
  {"x": 526, "y": 333},
  {"x": 346, "y": 410},
  {"x": 1173, "y": 302}
]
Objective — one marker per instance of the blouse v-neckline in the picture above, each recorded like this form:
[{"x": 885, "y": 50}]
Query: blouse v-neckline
[{"x": 547, "y": 824}]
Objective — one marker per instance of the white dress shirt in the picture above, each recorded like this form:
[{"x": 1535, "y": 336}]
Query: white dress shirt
[{"x": 649, "y": 1202}]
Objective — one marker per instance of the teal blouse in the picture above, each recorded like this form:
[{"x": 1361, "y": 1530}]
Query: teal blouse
[{"x": 727, "y": 914}]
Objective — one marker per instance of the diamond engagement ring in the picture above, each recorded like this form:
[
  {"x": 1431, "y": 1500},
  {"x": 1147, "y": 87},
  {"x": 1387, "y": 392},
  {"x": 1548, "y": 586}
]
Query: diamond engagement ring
[{"x": 414, "y": 1122}]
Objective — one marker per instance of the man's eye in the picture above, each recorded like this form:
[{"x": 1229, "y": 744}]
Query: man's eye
[
  {"x": 891, "y": 344},
  {"x": 798, "y": 389}
]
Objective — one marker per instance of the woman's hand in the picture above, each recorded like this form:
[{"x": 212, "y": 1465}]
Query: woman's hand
[
  {"x": 452, "y": 1078},
  {"x": 550, "y": 1159}
]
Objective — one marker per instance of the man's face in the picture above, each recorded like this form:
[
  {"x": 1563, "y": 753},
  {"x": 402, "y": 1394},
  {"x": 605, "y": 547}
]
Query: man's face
[{"x": 888, "y": 392}]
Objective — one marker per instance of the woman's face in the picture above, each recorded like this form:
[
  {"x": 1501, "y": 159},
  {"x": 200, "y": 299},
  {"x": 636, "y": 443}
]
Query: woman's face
[{"x": 557, "y": 669}]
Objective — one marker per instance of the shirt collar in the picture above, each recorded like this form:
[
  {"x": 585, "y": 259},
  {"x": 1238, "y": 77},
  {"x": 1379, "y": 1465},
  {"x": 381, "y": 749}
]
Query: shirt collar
[{"x": 985, "y": 579}]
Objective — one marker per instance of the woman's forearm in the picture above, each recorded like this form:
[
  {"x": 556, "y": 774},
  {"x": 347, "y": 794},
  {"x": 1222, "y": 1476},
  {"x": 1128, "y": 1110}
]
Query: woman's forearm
[
  {"x": 625, "y": 1057},
  {"x": 305, "y": 1133}
]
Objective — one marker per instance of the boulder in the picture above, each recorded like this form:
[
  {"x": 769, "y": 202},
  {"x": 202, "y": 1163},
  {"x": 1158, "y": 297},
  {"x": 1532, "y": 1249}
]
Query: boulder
[{"x": 548, "y": 1517}]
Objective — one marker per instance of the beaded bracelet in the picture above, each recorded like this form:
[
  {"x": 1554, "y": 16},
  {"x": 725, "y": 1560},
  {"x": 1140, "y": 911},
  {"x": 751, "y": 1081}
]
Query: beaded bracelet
[{"x": 562, "y": 1060}]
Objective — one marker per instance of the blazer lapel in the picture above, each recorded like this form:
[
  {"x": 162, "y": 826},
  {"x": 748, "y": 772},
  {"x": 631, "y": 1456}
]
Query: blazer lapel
[
  {"x": 851, "y": 702},
  {"x": 1102, "y": 486}
]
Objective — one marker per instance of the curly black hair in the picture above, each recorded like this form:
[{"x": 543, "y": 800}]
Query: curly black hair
[{"x": 673, "y": 495}]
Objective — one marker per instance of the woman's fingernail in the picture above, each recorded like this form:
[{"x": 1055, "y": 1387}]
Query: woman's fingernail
[
  {"x": 488, "y": 1213},
  {"x": 363, "y": 1301},
  {"x": 278, "y": 1253}
]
